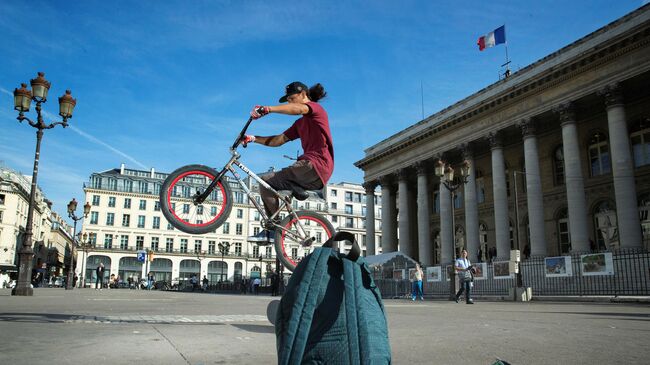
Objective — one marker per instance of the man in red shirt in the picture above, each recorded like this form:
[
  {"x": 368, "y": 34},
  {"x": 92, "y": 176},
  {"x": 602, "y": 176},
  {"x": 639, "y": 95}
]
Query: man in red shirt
[{"x": 314, "y": 167}]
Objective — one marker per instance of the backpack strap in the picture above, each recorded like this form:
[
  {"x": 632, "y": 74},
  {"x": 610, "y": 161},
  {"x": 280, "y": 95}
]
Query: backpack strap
[
  {"x": 355, "y": 251},
  {"x": 352, "y": 281},
  {"x": 297, "y": 331}
]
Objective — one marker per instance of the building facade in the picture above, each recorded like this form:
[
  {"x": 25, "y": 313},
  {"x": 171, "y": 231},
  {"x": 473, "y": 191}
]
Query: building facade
[
  {"x": 125, "y": 217},
  {"x": 558, "y": 153}
]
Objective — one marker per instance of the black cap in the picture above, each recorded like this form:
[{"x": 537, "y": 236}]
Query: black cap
[{"x": 295, "y": 87}]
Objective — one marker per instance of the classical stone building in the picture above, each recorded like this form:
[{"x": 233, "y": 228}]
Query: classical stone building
[{"x": 558, "y": 152}]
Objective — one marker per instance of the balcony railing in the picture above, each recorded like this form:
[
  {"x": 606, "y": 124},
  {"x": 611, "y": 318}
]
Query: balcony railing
[{"x": 189, "y": 253}]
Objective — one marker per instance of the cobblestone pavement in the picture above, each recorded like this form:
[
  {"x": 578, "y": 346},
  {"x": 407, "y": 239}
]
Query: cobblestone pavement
[{"x": 127, "y": 327}]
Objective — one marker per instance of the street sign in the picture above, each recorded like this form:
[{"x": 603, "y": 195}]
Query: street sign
[{"x": 142, "y": 256}]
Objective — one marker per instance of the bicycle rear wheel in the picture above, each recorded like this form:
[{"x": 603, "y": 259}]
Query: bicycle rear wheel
[
  {"x": 178, "y": 200},
  {"x": 288, "y": 247}
]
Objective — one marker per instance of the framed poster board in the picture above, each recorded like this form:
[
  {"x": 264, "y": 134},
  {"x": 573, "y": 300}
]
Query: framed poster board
[
  {"x": 480, "y": 271},
  {"x": 559, "y": 266},
  {"x": 501, "y": 269},
  {"x": 597, "y": 264},
  {"x": 399, "y": 274},
  {"x": 434, "y": 273}
]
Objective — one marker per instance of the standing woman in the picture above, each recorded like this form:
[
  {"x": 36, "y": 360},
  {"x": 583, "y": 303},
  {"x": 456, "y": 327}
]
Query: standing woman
[
  {"x": 314, "y": 167},
  {"x": 417, "y": 283}
]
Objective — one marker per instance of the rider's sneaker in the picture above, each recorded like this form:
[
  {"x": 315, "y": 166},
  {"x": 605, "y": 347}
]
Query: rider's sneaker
[{"x": 263, "y": 238}]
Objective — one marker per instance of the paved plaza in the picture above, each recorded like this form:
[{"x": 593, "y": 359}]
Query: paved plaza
[{"x": 123, "y": 326}]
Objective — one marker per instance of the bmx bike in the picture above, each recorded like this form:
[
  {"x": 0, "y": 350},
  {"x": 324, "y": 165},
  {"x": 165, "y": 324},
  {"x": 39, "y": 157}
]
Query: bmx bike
[{"x": 198, "y": 199}]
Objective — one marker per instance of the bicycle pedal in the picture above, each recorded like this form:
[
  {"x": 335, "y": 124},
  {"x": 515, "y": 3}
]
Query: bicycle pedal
[{"x": 307, "y": 242}]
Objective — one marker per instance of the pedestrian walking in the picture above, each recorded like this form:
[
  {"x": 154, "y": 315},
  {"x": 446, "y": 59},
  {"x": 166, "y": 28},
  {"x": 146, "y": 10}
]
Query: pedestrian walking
[
  {"x": 99, "y": 281},
  {"x": 205, "y": 283},
  {"x": 256, "y": 285},
  {"x": 463, "y": 269},
  {"x": 417, "y": 283}
]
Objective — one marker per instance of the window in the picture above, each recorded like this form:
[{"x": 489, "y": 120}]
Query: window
[
  {"x": 143, "y": 187},
  {"x": 2, "y": 199},
  {"x": 599, "y": 154},
  {"x": 94, "y": 217},
  {"x": 558, "y": 165},
  {"x": 213, "y": 211},
  {"x": 127, "y": 203},
  {"x": 199, "y": 209},
  {"x": 112, "y": 184},
  {"x": 239, "y": 229},
  {"x": 154, "y": 243},
  {"x": 294, "y": 253},
  {"x": 357, "y": 197},
  {"x": 640, "y": 140},
  {"x": 111, "y": 202},
  {"x": 1, "y": 211},
  {"x": 186, "y": 208},
  {"x": 333, "y": 192},
  {"x": 564, "y": 239},
  {"x": 156, "y": 206},
  {"x": 140, "y": 221},
  {"x": 333, "y": 206},
  {"x": 256, "y": 251},
  {"x": 212, "y": 247},
  {"x": 239, "y": 197},
  {"x": 139, "y": 242},
  {"x": 238, "y": 248},
  {"x": 183, "y": 245},
  {"x": 169, "y": 245},
  {"x": 335, "y": 218},
  {"x": 256, "y": 216},
  {"x": 348, "y": 196},
  {"x": 226, "y": 228},
  {"x": 197, "y": 246},
  {"x": 156, "y": 222},
  {"x": 240, "y": 213},
  {"x": 319, "y": 237},
  {"x": 170, "y": 227},
  {"x": 96, "y": 200},
  {"x": 124, "y": 242},
  {"x": 110, "y": 219},
  {"x": 126, "y": 220},
  {"x": 256, "y": 231},
  {"x": 307, "y": 205},
  {"x": 128, "y": 187},
  {"x": 108, "y": 241},
  {"x": 349, "y": 222},
  {"x": 364, "y": 211},
  {"x": 348, "y": 209},
  {"x": 143, "y": 205},
  {"x": 269, "y": 251}
]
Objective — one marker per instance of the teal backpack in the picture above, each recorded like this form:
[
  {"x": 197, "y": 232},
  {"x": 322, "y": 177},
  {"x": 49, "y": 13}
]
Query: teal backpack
[{"x": 331, "y": 311}]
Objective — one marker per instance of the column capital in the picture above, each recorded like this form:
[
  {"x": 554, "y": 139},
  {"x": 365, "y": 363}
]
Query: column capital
[
  {"x": 495, "y": 140},
  {"x": 370, "y": 186},
  {"x": 613, "y": 94},
  {"x": 403, "y": 173},
  {"x": 527, "y": 126},
  {"x": 421, "y": 167},
  {"x": 386, "y": 180},
  {"x": 467, "y": 151},
  {"x": 566, "y": 112}
]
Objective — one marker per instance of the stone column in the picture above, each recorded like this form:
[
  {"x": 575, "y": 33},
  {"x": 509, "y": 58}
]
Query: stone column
[
  {"x": 471, "y": 207},
  {"x": 425, "y": 246},
  {"x": 389, "y": 215},
  {"x": 533, "y": 190},
  {"x": 405, "y": 239},
  {"x": 501, "y": 218},
  {"x": 574, "y": 182},
  {"x": 370, "y": 217},
  {"x": 627, "y": 211},
  {"x": 446, "y": 235}
]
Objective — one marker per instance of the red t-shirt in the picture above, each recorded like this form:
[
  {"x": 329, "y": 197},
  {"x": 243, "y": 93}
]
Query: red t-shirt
[{"x": 313, "y": 129}]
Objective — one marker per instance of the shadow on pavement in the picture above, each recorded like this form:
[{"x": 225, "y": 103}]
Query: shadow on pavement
[{"x": 257, "y": 328}]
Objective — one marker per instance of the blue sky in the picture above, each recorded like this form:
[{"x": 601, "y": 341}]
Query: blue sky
[{"x": 166, "y": 83}]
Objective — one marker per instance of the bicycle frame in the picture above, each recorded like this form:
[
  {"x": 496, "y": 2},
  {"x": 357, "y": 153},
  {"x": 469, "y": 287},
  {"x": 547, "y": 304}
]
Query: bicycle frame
[{"x": 284, "y": 201}]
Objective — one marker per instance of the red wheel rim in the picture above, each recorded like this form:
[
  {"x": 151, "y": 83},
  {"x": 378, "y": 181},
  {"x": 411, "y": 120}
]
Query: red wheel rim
[
  {"x": 291, "y": 222},
  {"x": 173, "y": 212}
]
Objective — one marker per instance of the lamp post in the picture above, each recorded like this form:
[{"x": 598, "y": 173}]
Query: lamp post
[
  {"x": 446, "y": 174},
  {"x": 22, "y": 100},
  {"x": 224, "y": 247},
  {"x": 85, "y": 245},
  {"x": 72, "y": 207}
]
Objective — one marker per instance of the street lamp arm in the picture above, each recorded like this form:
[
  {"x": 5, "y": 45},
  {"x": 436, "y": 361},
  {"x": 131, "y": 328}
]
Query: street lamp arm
[{"x": 64, "y": 123}]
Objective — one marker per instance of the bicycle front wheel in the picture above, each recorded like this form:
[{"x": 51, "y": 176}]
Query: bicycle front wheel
[
  {"x": 178, "y": 200},
  {"x": 289, "y": 242}
]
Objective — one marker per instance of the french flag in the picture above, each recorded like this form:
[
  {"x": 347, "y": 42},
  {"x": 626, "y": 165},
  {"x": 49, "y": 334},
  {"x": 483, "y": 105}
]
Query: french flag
[{"x": 492, "y": 39}]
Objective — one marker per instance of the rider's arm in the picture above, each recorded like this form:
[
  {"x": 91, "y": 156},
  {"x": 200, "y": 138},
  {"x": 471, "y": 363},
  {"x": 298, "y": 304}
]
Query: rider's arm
[
  {"x": 290, "y": 108},
  {"x": 272, "y": 141}
]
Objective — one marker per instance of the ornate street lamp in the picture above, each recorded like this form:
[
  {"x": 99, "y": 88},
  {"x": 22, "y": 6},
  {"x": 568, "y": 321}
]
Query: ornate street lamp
[
  {"x": 224, "y": 247},
  {"x": 447, "y": 177},
  {"x": 22, "y": 100},
  {"x": 72, "y": 207},
  {"x": 85, "y": 243}
]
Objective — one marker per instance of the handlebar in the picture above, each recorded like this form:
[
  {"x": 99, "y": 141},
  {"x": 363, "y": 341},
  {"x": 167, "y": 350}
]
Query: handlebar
[{"x": 243, "y": 131}]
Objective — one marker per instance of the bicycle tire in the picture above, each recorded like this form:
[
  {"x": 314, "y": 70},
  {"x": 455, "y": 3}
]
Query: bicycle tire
[
  {"x": 282, "y": 247},
  {"x": 192, "y": 179}
]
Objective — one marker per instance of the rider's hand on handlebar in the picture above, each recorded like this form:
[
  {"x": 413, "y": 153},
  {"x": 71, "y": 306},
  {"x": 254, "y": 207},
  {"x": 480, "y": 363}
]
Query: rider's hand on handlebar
[
  {"x": 259, "y": 111},
  {"x": 247, "y": 139}
]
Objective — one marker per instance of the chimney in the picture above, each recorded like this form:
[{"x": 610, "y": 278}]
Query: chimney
[
  {"x": 152, "y": 172},
  {"x": 122, "y": 169}
]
